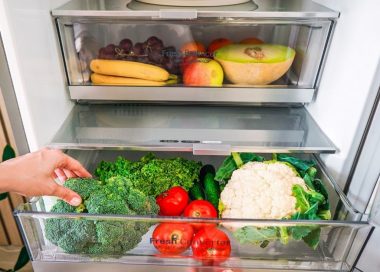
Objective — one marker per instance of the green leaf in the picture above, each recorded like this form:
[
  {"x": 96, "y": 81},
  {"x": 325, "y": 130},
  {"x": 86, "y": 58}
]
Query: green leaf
[
  {"x": 22, "y": 260},
  {"x": 8, "y": 153},
  {"x": 312, "y": 239},
  {"x": 309, "y": 181},
  {"x": 3, "y": 196},
  {"x": 256, "y": 235},
  {"x": 299, "y": 232},
  {"x": 300, "y": 194},
  {"x": 301, "y": 165},
  {"x": 232, "y": 163}
]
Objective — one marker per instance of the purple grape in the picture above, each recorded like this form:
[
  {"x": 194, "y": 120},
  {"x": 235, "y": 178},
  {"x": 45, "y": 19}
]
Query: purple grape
[
  {"x": 126, "y": 45},
  {"x": 110, "y": 48},
  {"x": 104, "y": 54},
  {"x": 154, "y": 40},
  {"x": 155, "y": 56},
  {"x": 138, "y": 49}
]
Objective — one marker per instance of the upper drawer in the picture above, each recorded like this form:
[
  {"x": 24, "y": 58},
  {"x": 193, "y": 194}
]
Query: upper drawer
[{"x": 248, "y": 53}]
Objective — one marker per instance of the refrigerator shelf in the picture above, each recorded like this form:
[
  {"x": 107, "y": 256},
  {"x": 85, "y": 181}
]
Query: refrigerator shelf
[
  {"x": 203, "y": 130},
  {"x": 296, "y": 37},
  {"x": 330, "y": 255}
]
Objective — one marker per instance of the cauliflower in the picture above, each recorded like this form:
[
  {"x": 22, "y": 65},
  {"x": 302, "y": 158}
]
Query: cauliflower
[{"x": 261, "y": 190}]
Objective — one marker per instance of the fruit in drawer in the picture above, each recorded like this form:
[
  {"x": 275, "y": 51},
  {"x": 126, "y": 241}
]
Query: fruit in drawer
[
  {"x": 172, "y": 238},
  {"x": 252, "y": 40},
  {"x": 193, "y": 49},
  {"x": 216, "y": 44},
  {"x": 129, "y": 69},
  {"x": 254, "y": 64},
  {"x": 203, "y": 72},
  {"x": 200, "y": 209},
  {"x": 152, "y": 51},
  {"x": 211, "y": 245},
  {"x": 173, "y": 201},
  {"x": 99, "y": 79}
]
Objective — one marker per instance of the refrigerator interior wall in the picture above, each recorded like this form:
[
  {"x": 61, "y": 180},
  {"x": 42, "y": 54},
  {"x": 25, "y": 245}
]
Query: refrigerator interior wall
[{"x": 346, "y": 92}]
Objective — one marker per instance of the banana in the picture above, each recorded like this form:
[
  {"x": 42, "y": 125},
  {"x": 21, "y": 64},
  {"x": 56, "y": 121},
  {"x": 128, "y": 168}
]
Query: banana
[
  {"x": 130, "y": 69},
  {"x": 99, "y": 79}
]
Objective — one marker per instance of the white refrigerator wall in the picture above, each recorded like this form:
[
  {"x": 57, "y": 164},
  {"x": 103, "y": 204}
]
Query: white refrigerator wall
[{"x": 36, "y": 67}]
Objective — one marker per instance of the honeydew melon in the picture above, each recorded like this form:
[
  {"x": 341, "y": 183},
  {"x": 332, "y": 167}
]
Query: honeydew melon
[{"x": 258, "y": 64}]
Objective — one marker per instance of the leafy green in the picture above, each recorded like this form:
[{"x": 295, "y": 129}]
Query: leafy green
[
  {"x": 116, "y": 195},
  {"x": 311, "y": 202},
  {"x": 232, "y": 163},
  {"x": 255, "y": 235},
  {"x": 152, "y": 175}
]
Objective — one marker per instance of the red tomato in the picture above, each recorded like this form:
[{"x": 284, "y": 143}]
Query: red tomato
[
  {"x": 202, "y": 209},
  {"x": 173, "y": 201},
  {"x": 216, "y": 44},
  {"x": 211, "y": 245},
  {"x": 172, "y": 238}
]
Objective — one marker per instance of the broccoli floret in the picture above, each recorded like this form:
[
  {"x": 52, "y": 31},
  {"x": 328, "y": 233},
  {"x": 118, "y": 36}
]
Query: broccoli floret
[{"x": 101, "y": 237}]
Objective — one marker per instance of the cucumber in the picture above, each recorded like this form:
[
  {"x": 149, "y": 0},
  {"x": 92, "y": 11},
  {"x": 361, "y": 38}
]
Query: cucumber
[
  {"x": 196, "y": 192},
  {"x": 211, "y": 186}
]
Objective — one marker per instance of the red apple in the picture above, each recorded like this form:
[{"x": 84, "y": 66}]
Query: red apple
[{"x": 203, "y": 72}]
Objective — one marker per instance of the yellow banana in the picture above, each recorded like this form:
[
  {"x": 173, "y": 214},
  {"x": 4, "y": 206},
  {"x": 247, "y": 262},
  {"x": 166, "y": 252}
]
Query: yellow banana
[
  {"x": 131, "y": 69},
  {"x": 99, "y": 79}
]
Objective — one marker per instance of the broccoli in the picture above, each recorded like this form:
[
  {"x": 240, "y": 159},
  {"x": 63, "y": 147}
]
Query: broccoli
[
  {"x": 150, "y": 175},
  {"x": 115, "y": 195}
]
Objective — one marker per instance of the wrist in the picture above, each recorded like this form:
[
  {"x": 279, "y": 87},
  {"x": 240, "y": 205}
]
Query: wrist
[{"x": 7, "y": 183}]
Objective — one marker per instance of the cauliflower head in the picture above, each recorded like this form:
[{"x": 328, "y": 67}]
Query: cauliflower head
[{"x": 260, "y": 190}]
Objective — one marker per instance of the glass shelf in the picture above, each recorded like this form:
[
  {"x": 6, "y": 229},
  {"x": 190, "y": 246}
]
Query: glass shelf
[{"x": 203, "y": 130}]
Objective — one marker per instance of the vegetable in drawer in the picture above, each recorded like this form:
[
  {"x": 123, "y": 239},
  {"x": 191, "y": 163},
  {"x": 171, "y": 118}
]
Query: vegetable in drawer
[
  {"x": 152, "y": 175},
  {"x": 282, "y": 188},
  {"x": 115, "y": 195}
]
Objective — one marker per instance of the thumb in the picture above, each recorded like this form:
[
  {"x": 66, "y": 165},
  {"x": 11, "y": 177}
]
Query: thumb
[{"x": 67, "y": 195}]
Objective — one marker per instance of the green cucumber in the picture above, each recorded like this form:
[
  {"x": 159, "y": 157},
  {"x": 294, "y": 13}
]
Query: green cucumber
[
  {"x": 196, "y": 192},
  {"x": 212, "y": 189}
]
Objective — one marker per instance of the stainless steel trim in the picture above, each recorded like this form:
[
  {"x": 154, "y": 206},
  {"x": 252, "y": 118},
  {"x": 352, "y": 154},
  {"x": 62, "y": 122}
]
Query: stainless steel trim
[
  {"x": 266, "y": 9},
  {"x": 190, "y": 94}
]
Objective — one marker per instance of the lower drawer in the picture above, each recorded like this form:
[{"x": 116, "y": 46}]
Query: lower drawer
[{"x": 331, "y": 254}]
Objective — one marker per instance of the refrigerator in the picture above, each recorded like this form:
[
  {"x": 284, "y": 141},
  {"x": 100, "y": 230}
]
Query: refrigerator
[{"x": 323, "y": 107}]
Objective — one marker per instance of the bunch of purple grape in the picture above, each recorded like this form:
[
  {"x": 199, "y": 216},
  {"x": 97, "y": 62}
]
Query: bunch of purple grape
[{"x": 152, "y": 51}]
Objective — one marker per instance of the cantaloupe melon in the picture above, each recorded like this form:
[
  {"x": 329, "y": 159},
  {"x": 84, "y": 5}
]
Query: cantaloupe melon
[{"x": 254, "y": 64}]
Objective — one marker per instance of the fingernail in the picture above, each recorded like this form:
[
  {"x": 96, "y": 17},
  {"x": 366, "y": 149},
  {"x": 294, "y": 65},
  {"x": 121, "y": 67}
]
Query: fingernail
[{"x": 75, "y": 201}]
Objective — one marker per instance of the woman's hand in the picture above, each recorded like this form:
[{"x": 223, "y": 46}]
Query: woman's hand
[{"x": 33, "y": 175}]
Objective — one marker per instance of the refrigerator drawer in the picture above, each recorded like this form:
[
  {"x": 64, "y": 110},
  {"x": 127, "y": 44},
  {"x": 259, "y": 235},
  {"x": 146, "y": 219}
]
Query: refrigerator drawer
[
  {"x": 243, "y": 54},
  {"x": 336, "y": 235}
]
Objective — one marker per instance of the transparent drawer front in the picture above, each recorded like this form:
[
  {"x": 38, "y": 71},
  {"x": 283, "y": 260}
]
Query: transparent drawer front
[
  {"x": 211, "y": 58},
  {"x": 170, "y": 241}
]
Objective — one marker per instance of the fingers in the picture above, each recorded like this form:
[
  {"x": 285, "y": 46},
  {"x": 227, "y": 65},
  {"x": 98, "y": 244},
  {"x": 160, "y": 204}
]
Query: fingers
[
  {"x": 75, "y": 166},
  {"x": 67, "y": 195},
  {"x": 69, "y": 173},
  {"x": 65, "y": 162}
]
